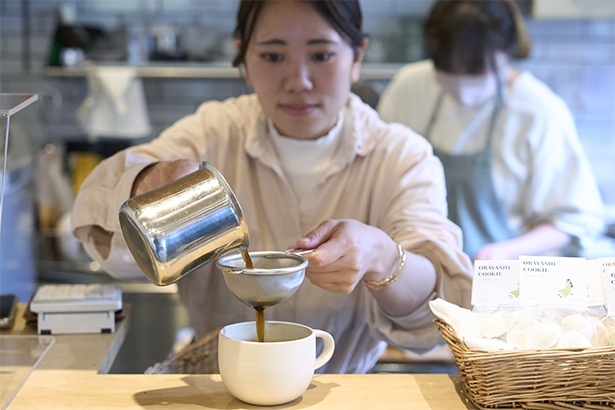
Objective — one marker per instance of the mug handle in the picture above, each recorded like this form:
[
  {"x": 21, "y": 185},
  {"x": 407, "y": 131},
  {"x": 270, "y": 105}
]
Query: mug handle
[{"x": 327, "y": 351}]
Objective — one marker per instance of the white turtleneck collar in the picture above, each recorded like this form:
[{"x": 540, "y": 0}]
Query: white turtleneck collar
[{"x": 305, "y": 161}]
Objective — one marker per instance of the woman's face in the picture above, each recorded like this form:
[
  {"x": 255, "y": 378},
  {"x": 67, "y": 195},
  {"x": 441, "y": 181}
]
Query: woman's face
[{"x": 300, "y": 68}]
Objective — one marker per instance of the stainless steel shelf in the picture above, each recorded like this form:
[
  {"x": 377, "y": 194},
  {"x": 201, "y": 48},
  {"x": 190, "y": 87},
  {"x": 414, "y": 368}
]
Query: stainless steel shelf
[
  {"x": 171, "y": 70},
  {"x": 221, "y": 70}
]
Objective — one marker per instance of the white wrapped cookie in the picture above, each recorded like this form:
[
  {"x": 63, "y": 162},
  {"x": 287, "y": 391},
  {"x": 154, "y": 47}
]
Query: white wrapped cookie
[
  {"x": 573, "y": 340},
  {"x": 532, "y": 334},
  {"x": 496, "y": 324},
  {"x": 577, "y": 322}
]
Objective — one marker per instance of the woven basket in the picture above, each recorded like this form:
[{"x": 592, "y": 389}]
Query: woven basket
[
  {"x": 200, "y": 357},
  {"x": 535, "y": 379}
]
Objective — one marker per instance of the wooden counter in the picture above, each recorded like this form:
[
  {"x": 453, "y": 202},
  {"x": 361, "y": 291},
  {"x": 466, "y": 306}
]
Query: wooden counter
[
  {"x": 69, "y": 376},
  {"x": 50, "y": 389}
]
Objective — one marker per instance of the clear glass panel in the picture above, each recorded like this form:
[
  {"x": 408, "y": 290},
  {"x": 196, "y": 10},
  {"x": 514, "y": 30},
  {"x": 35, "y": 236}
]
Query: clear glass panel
[
  {"x": 19, "y": 356},
  {"x": 4, "y": 140},
  {"x": 9, "y": 105},
  {"x": 13, "y": 103}
]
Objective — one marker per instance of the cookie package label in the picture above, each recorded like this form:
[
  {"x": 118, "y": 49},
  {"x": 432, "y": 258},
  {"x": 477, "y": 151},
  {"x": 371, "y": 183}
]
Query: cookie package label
[{"x": 544, "y": 280}]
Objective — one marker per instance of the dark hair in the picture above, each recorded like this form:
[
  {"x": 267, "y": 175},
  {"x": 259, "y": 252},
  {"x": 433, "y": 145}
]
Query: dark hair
[
  {"x": 462, "y": 36},
  {"x": 344, "y": 16}
]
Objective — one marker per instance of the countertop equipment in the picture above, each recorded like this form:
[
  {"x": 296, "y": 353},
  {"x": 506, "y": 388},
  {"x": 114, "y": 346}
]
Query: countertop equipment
[{"x": 76, "y": 308}]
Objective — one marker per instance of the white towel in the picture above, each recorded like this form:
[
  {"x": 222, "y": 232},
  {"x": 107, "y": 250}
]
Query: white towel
[
  {"x": 467, "y": 326},
  {"x": 115, "y": 105}
]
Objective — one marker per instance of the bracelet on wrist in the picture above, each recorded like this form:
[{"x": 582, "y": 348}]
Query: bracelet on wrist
[{"x": 372, "y": 284}]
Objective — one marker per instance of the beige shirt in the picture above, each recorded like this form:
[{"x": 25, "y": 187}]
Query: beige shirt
[{"x": 383, "y": 175}]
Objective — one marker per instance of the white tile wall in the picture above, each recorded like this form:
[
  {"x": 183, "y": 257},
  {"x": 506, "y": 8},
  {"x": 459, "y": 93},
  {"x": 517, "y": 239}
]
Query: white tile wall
[{"x": 575, "y": 57}]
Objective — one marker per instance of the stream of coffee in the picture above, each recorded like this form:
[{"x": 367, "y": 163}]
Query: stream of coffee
[
  {"x": 260, "y": 310},
  {"x": 260, "y": 323},
  {"x": 247, "y": 260}
]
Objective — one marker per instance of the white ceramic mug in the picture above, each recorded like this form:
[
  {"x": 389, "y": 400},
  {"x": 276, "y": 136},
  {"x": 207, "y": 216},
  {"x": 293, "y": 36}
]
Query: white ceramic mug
[{"x": 275, "y": 371}]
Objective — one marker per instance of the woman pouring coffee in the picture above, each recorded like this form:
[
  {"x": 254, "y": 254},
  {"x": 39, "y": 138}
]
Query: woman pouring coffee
[
  {"x": 518, "y": 180},
  {"x": 313, "y": 167}
]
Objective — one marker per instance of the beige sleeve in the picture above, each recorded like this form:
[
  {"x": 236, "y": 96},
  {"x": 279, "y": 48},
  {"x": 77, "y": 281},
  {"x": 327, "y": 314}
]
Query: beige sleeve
[{"x": 97, "y": 205}]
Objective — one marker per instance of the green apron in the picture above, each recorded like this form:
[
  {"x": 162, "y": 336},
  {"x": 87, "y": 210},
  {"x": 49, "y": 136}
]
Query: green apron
[{"x": 472, "y": 200}]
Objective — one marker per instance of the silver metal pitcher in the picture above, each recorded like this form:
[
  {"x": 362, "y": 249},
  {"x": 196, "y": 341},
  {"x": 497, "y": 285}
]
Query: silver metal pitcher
[{"x": 183, "y": 225}]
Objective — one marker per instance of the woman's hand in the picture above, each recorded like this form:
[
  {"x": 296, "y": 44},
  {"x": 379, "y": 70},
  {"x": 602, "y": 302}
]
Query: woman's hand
[
  {"x": 160, "y": 173},
  {"x": 346, "y": 252}
]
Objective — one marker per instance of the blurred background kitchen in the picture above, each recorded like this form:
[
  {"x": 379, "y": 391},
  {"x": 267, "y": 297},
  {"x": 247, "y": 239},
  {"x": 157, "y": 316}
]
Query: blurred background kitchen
[{"x": 112, "y": 73}]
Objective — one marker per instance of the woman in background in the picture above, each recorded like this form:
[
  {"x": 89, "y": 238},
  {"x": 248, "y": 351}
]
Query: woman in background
[
  {"x": 518, "y": 180},
  {"x": 313, "y": 167}
]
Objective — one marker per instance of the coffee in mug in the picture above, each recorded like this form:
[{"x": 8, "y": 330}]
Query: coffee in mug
[{"x": 275, "y": 371}]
